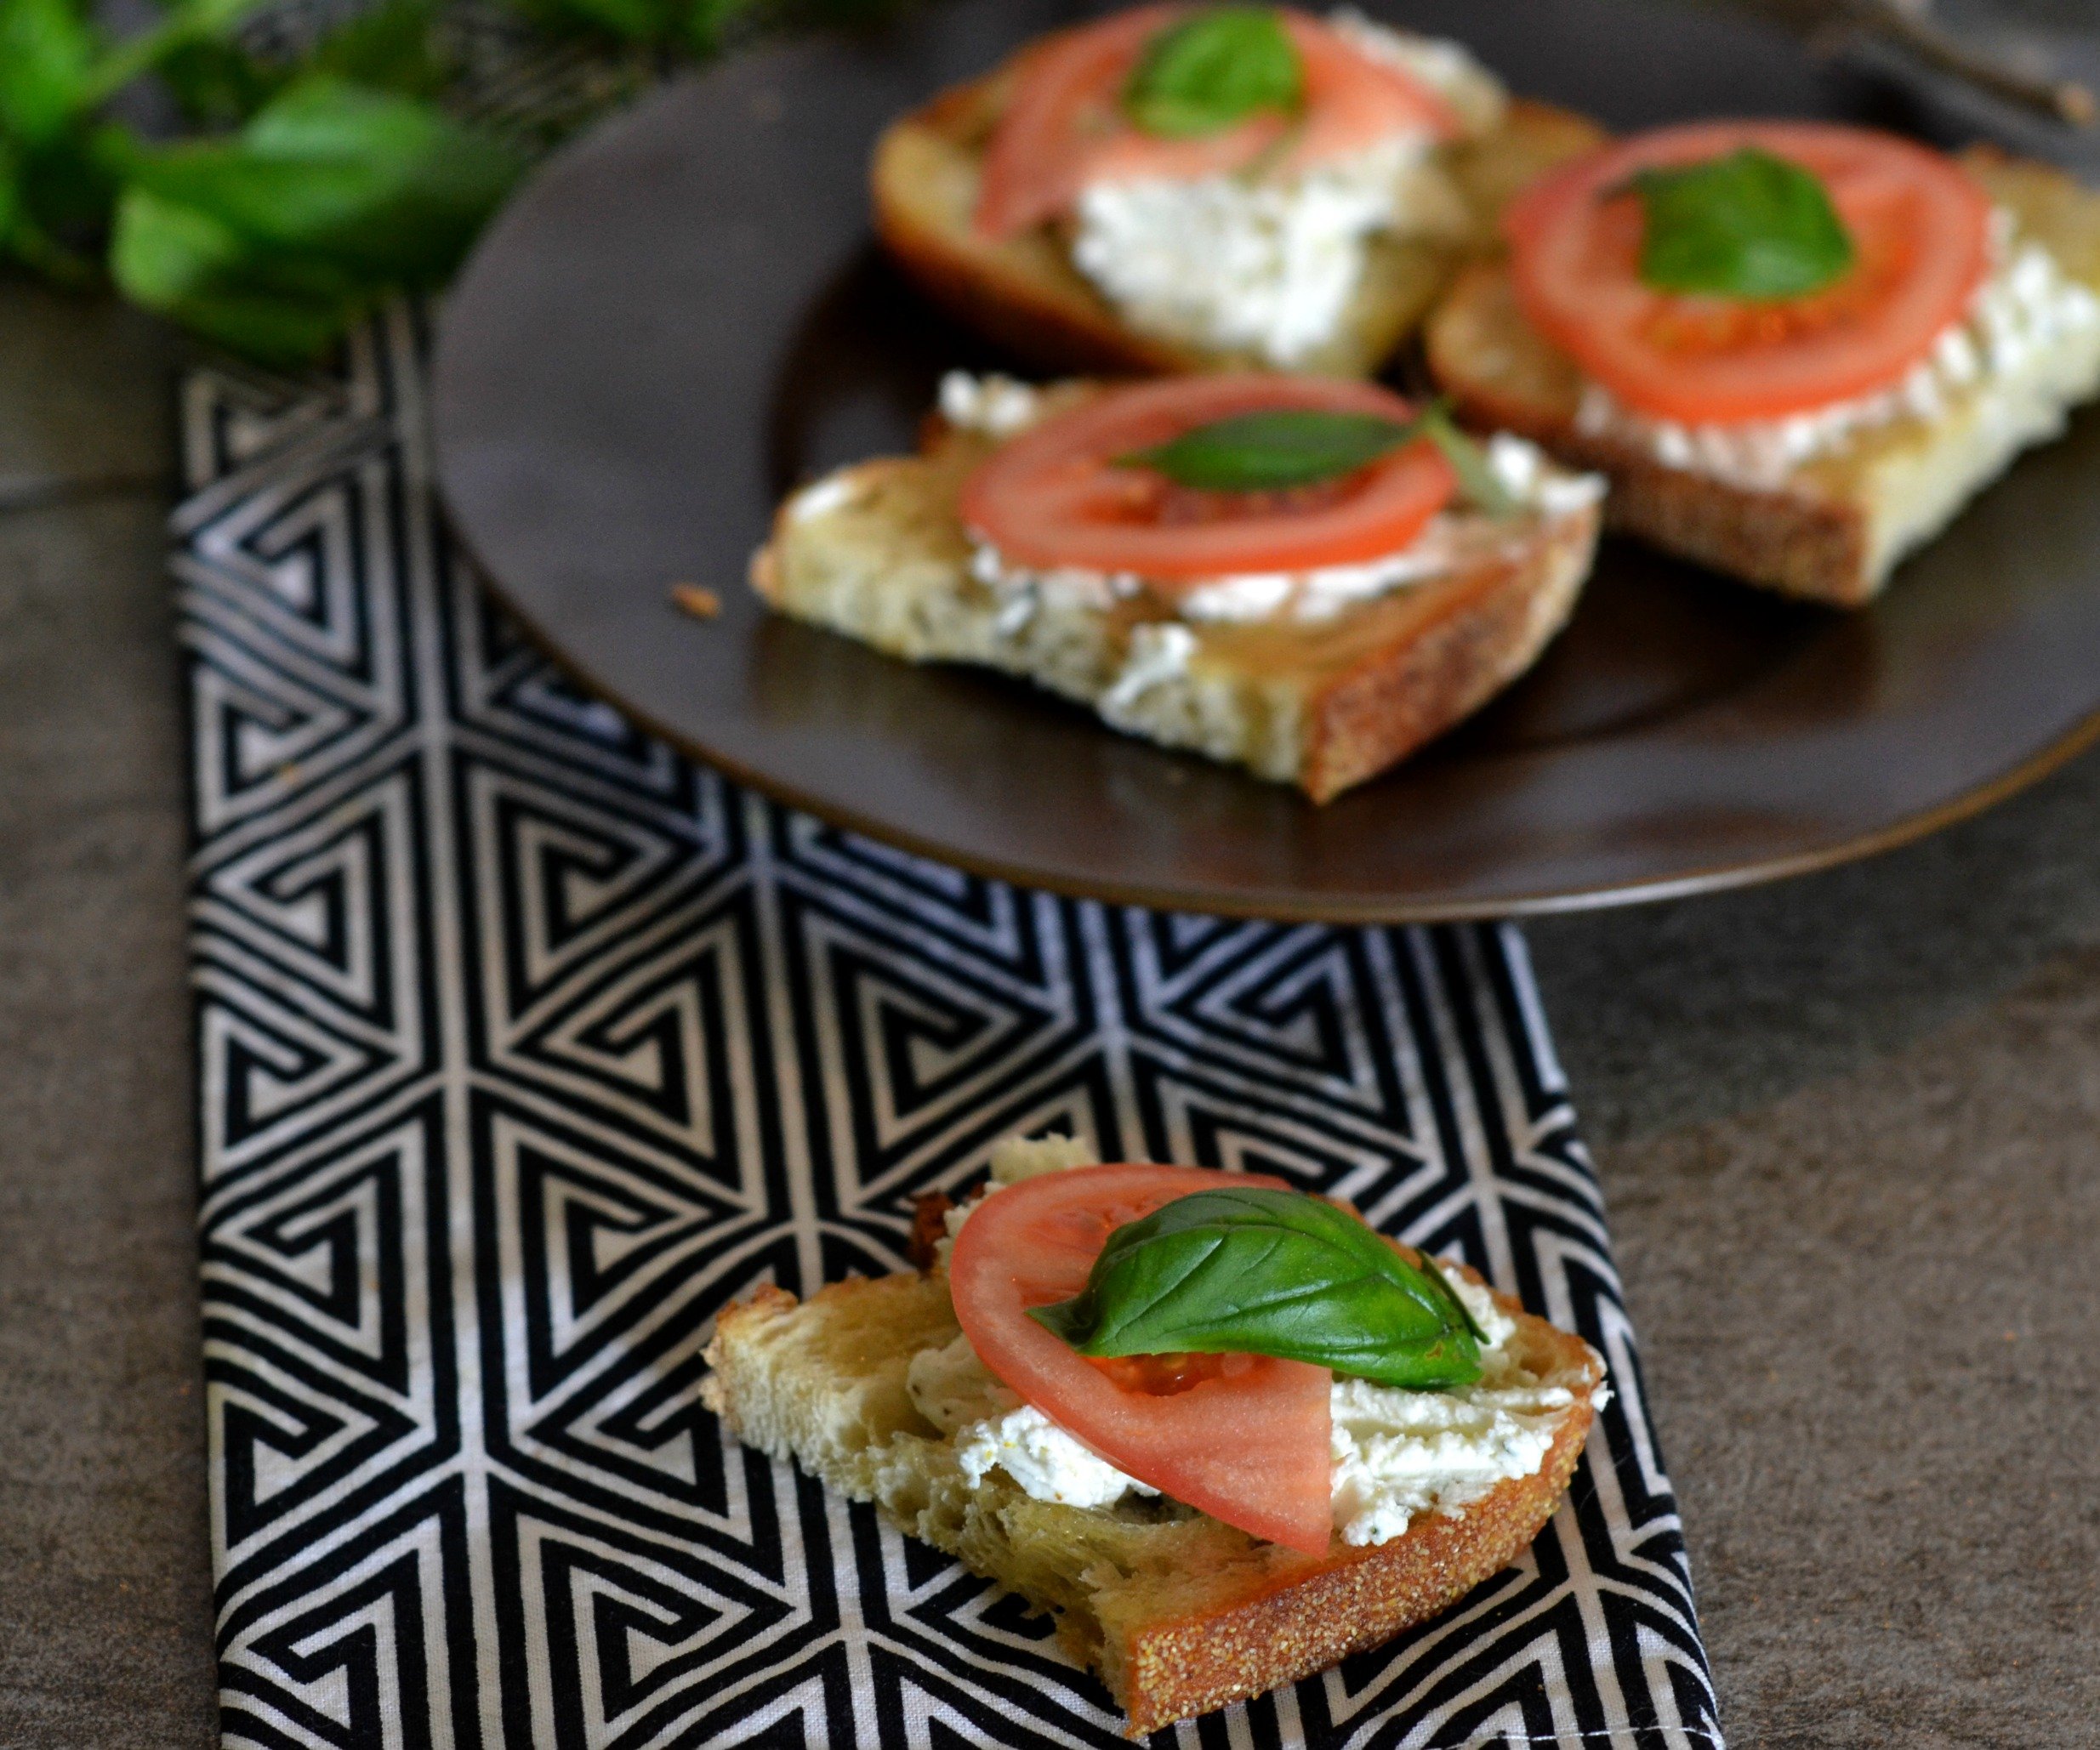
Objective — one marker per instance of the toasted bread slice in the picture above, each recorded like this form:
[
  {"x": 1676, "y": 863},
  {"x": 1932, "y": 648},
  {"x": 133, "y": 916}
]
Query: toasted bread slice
[
  {"x": 877, "y": 552},
  {"x": 1025, "y": 293},
  {"x": 1836, "y": 526},
  {"x": 1180, "y": 1613}
]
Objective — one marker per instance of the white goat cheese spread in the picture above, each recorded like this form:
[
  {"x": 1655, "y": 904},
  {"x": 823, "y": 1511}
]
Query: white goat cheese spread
[
  {"x": 1047, "y": 1462},
  {"x": 957, "y": 1394},
  {"x": 1400, "y": 1454},
  {"x": 1267, "y": 264},
  {"x": 996, "y": 406},
  {"x": 2028, "y": 306},
  {"x": 1396, "y": 1454}
]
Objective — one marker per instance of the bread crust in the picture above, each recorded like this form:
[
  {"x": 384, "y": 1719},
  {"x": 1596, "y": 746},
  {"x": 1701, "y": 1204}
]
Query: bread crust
[
  {"x": 1024, "y": 292},
  {"x": 1487, "y": 628}
]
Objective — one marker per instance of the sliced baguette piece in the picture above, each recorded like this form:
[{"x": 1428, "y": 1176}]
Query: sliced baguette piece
[
  {"x": 1025, "y": 293},
  {"x": 1179, "y": 1613},
  {"x": 876, "y": 551},
  {"x": 1839, "y": 524}
]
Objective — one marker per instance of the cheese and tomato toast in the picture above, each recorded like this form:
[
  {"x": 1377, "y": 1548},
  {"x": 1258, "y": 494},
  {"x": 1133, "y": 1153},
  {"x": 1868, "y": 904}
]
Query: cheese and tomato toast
[
  {"x": 1334, "y": 1511},
  {"x": 1805, "y": 442},
  {"x": 1314, "y": 632},
  {"x": 1052, "y": 205}
]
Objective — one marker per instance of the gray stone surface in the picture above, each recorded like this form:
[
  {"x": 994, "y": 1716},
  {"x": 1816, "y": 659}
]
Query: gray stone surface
[
  {"x": 1847, "y": 1127},
  {"x": 104, "y": 1603}
]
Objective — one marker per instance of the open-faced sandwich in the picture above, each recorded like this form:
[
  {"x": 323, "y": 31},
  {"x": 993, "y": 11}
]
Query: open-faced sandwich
[
  {"x": 1182, "y": 187},
  {"x": 1797, "y": 349},
  {"x": 1227, "y": 1432},
  {"x": 1306, "y": 576}
]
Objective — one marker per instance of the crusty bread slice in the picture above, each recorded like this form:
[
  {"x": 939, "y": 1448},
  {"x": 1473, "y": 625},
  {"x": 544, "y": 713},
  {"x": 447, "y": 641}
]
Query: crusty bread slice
[
  {"x": 1838, "y": 526},
  {"x": 1179, "y": 1613},
  {"x": 878, "y": 553},
  {"x": 1025, "y": 293}
]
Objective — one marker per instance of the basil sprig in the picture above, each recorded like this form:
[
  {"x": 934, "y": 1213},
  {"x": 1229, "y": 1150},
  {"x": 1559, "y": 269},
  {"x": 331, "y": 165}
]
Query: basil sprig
[
  {"x": 1214, "y": 70},
  {"x": 1285, "y": 448},
  {"x": 1254, "y": 1271},
  {"x": 1748, "y": 225}
]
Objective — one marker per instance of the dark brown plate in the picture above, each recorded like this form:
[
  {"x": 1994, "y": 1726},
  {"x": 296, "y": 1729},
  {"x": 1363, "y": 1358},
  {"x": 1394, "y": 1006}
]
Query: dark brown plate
[{"x": 683, "y": 316}]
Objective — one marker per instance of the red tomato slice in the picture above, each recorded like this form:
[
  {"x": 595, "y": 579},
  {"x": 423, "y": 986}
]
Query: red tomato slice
[
  {"x": 1248, "y": 1442},
  {"x": 1920, "y": 226},
  {"x": 1064, "y": 128},
  {"x": 1054, "y": 496}
]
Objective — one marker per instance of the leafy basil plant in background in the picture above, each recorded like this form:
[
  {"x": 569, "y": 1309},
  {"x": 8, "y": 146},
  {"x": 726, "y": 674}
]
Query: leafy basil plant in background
[{"x": 298, "y": 190}]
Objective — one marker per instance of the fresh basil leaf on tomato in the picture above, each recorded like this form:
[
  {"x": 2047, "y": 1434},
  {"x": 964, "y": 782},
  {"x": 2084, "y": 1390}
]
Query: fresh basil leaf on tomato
[
  {"x": 1748, "y": 225},
  {"x": 1211, "y": 71},
  {"x": 1254, "y": 1271},
  {"x": 1283, "y": 449},
  {"x": 1274, "y": 450}
]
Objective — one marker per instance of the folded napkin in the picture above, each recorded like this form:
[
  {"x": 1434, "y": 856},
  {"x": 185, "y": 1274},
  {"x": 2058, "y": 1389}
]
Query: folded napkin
[{"x": 524, "y": 1044}]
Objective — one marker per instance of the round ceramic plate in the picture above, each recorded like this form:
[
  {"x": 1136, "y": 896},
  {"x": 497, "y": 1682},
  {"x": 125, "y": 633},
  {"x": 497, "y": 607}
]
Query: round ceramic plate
[{"x": 683, "y": 316}]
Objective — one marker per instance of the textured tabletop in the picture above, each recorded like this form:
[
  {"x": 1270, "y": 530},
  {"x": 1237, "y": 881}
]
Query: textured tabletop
[{"x": 1847, "y": 1127}]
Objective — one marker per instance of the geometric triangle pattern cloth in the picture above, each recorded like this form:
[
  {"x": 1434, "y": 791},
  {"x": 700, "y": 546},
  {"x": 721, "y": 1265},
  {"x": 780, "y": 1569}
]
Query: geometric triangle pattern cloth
[{"x": 524, "y": 1044}]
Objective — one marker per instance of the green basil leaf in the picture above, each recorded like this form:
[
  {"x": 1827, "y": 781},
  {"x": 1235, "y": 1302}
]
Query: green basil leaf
[
  {"x": 47, "y": 51},
  {"x": 11, "y": 210},
  {"x": 220, "y": 283},
  {"x": 696, "y": 26},
  {"x": 389, "y": 189},
  {"x": 332, "y": 195},
  {"x": 1288, "y": 447},
  {"x": 182, "y": 26},
  {"x": 1208, "y": 71},
  {"x": 1273, "y": 451},
  {"x": 217, "y": 84},
  {"x": 394, "y": 48},
  {"x": 1255, "y": 1271},
  {"x": 1746, "y": 226}
]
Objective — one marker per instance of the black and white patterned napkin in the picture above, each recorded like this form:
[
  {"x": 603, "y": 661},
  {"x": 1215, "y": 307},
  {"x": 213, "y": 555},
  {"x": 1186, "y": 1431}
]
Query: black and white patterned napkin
[{"x": 523, "y": 1044}]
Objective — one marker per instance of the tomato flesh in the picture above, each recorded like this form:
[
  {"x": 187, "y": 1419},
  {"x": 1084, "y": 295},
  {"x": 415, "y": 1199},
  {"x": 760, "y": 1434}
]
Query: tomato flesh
[
  {"x": 1245, "y": 1438},
  {"x": 1064, "y": 128},
  {"x": 1921, "y": 233},
  {"x": 1054, "y": 496}
]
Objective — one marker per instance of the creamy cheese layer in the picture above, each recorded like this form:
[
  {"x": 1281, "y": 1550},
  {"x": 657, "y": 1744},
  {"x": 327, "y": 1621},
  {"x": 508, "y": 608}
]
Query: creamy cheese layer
[
  {"x": 1397, "y": 1455},
  {"x": 1400, "y": 1454},
  {"x": 1269, "y": 264},
  {"x": 2027, "y": 306}
]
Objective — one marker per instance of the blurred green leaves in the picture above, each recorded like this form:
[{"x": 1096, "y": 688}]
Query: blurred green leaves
[
  {"x": 272, "y": 239},
  {"x": 48, "y": 57},
  {"x": 312, "y": 188}
]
